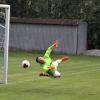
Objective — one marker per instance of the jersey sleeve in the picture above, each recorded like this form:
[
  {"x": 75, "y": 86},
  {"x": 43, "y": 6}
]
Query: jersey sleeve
[
  {"x": 45, "y": 68},
  {"x": 48, "y": 51}
]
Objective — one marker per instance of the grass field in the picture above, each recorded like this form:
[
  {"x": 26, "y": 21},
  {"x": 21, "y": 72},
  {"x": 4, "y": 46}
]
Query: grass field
[{"x": 80, "y": 80}]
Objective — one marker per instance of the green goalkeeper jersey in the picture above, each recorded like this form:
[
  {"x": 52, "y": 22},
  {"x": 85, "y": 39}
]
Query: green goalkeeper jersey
[{"x": 48, "y": 60}]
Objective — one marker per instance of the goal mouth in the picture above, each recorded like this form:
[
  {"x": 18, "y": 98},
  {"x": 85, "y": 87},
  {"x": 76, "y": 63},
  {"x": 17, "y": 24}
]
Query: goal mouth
[{"x": 4, "y": 41}]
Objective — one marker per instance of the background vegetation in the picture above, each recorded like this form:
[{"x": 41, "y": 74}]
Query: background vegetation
[{"x": 87, "y": 10}]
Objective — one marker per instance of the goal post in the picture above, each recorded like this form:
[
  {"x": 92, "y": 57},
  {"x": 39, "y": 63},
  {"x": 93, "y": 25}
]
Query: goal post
[{"x": 4, "y": 40}]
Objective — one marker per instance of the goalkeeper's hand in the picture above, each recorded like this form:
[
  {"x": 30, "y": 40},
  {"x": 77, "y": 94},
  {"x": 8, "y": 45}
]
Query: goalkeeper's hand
[
  {"x": 56, "y": 43},
  {"x": 51, "y": 68}
]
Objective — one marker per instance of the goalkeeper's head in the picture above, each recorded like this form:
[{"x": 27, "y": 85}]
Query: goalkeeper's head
[{"x": 40, "y": 60}]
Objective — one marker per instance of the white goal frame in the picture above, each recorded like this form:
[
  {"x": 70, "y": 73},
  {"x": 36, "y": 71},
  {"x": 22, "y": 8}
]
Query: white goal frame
[{"x": 6, "y": 42}]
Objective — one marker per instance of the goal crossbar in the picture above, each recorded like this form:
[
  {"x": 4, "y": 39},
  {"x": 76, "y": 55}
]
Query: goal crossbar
[{"x": 4, "y": 6}]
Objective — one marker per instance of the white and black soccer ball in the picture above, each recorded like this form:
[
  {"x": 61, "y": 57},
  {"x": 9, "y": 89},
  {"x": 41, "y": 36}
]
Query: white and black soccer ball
[{"x": 25, "y": 64}]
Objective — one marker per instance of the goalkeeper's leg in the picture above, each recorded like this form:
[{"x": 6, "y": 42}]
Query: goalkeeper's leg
[
  {"x": 57, "y": 74},
  {"x": 57, "y": 62}
]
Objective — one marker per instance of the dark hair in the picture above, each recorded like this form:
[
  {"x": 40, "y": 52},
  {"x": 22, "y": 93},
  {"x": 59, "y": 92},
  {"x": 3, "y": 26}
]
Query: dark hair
[{"x": 37, "y": 59}]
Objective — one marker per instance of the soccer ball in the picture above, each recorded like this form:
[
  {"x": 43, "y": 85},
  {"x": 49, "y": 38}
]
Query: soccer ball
[{"x": 25, "y": 64}]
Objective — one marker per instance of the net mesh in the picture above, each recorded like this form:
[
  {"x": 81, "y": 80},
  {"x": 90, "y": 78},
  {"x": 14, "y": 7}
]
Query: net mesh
[{"x": 2, "y": 39}]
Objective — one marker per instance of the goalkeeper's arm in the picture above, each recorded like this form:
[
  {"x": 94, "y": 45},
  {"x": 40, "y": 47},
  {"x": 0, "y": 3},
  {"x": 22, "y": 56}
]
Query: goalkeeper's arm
[{"x": 49, "y": 50}]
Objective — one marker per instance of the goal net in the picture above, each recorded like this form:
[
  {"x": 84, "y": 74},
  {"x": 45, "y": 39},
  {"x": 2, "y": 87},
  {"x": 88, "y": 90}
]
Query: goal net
[{"x": 4, "y": 41}]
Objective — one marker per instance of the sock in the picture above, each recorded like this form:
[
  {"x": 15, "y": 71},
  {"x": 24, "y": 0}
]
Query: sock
[{"x": 64, "y": 58}]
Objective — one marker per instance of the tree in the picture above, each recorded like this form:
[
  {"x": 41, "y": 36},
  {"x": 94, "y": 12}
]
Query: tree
[
  {"x": 87, "y": 10},
  {"x": 2, "y": 1}
]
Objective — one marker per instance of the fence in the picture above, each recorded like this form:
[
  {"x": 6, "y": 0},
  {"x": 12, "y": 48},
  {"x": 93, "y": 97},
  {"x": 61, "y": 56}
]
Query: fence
[{"x": 37, "y": 34}]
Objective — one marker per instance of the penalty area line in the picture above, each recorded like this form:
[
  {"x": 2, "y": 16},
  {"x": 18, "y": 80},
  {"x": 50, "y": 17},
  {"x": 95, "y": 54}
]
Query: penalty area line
[
  {"x": 19, "y": 82},
  {"x": 14, "y": 83},
  {"x": 86, "y": 71}
]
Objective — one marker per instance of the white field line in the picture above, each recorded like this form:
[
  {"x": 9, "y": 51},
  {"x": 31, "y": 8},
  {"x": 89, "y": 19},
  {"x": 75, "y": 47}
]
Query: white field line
[
  {"x": 78, "y": 63},
  {"x": 34, "y": 72},
  {"x": 22, "y": 74},
  {"x": 76, "y": 73},
  {"x": 14, "y": 83},
  {"x": 13, "y": 60},
  {"x": 82, "y": 66},
  {"x": 86, "y": 71}
]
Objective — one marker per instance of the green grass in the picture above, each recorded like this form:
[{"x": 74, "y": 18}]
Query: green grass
[{"x": 80, "y": 80}]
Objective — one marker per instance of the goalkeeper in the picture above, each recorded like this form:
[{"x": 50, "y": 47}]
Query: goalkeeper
[{"x": 49, "y": 66}]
